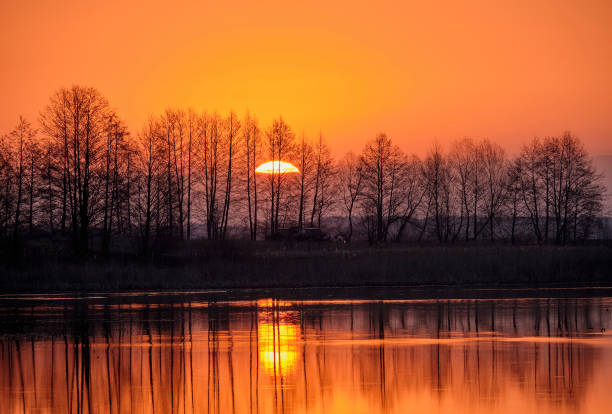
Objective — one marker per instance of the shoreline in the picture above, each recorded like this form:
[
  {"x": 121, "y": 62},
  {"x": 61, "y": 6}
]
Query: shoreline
[
  {"x": 232, "y": 268},
  {"x": 308, "y": 296}
]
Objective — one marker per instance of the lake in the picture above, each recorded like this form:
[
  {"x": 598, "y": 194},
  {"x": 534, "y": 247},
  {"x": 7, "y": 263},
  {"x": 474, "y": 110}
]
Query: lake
[{"x": 216, "y": 353}]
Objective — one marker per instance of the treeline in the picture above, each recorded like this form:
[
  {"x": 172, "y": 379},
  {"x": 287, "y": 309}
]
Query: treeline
[{"x": 83, "y": 176}]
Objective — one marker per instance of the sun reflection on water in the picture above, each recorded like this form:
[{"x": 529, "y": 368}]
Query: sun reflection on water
[{"x": 277, "y": 334}]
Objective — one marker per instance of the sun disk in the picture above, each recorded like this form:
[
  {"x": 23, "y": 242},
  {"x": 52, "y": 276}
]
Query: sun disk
[{"x": 277, "y": 167}]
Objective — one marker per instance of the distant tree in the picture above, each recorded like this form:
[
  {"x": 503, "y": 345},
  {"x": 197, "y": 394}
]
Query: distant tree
[
  {"x": 412, "y": 192},
  {"x": 75, "y": 119},
  {"x": 7, "y": 192},
  {"x": 210, "y": 160},
  {"x": 113, "y": 157},
  {"x": 382, "y": 165},
  {"x": 514, "y": 197},
  {"x": 147, "y": 167},
  {"x": 442, "y": 199},
  {"x": 192, "y": 131},
  {"x": 50, "y": 184},
  {"x": 476, "y": 184},
  {"x": 557, "y": 179},
  {"x": 232, "y": 131},
  {"x": 528, "y": 166},
  {"x": 463, "y": 161},
  {"x": 22, "y": 154},
  {"x": 496, "y": 174},
  {"x": 576, "y": 188},
  {"x": 252, "y": 142},
  {"x": 479, "y": 174},
  {"x": 219, "y": 145},
  {"x": 324, "y": 173},
  {"x": 179, "y": 163},
  {"x": 350, "y": 182},
  {"x": 280, "y": 141},
  {"x": 168, "y": 123},
  {"x": 306, "y": 161},
  {"x": 34, "y": 159}
]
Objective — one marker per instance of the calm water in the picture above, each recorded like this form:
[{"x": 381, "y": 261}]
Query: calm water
[{"x": 189, "y": 354}]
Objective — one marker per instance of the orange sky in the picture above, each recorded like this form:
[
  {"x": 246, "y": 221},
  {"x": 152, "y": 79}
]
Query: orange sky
[{"x": 419, "y": 71}]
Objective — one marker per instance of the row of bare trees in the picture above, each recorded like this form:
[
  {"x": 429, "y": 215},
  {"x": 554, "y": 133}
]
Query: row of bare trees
[
  {"x": 203, "y": 166},
  {"x": 549, "y": 192},
  {"x": 186, "y": 174}
]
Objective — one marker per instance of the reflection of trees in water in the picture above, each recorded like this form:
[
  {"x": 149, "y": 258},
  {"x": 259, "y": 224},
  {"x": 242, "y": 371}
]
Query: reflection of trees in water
[{"x": 273, "y": 356}]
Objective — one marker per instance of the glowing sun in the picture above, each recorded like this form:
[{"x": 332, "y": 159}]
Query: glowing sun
[{"x": 277, "y": 167}]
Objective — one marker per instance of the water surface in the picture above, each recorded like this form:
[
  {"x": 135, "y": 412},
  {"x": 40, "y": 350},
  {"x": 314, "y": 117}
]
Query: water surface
[{"x": 195, "y": 354}]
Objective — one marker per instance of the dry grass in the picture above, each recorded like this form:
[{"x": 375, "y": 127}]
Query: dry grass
[{"x": 201, "y": 265}]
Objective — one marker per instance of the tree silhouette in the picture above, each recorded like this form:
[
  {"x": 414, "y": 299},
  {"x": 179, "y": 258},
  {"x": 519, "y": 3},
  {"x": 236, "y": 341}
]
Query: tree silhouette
[
  {"x": 82, "y": 177},
  {"x": 75, "y": 120}
]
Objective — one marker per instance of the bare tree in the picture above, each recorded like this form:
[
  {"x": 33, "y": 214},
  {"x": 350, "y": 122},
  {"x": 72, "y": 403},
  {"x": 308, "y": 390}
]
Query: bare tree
[
  {"x": 219, "y": 143},
  {"x": 252, "y": 156},
  {"x": 22, "y": 138},
  {"x": 528, "y": 165},
  {"x": 514, "y": 196},
  {"x": 280, "y": 147},
  {"x": 442, "y": 198},
  {"x": 557, "y": 179},
  {"x": 350, "y": 181},
  {"x": 113, "y": 158},
  {"x": 76, "y": 118},
  {"x": 476, "y": 185},
  {"x": 462, "y": 159},
  {"x": 306, "y": 160},
  {"x": 6, "y": 187},
  {"x": 496, "y": 174},
  {"x": 323, "y": 178},
  {"x": 232, "y": 126},
  {"x": 147, "y": 166},
  {"x": 575, "y": 185},
  {"x": 209, "y": 154},
  {"x": 50, "y": 184},
  {"x": 382, "y": 165},
  {"x": 412, "y": 192},
  {"x": 192, "y": 126},
  {"x": 172, "y": 125}
]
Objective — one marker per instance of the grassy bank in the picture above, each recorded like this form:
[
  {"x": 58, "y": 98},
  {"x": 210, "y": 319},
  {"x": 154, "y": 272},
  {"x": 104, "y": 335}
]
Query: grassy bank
[{"x": 263, "y": 265}]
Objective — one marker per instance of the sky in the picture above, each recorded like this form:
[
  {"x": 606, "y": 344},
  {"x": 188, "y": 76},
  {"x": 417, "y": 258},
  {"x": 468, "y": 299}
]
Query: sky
[{"x": 422, "y": 72}]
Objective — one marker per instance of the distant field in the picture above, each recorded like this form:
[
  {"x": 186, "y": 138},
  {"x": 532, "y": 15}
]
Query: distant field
[{"x": 261, "y": 265}]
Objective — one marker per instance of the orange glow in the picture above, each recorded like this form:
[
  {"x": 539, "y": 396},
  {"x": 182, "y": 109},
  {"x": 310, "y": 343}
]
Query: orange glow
[
  {"x": 415, "y": 70},
  {"x": 277, "y": 167},
  {"x": 277, "y": 347},
  {"x": 271, "y": 303},
  {"x": 277, "y": 336}
]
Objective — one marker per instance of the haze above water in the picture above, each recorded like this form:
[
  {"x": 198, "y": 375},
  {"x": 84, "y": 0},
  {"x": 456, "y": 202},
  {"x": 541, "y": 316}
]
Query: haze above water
[{"x": 185, "y": 354}]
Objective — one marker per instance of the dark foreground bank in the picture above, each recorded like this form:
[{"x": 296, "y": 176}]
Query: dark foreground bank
[{"x": 272, "y": 266}]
